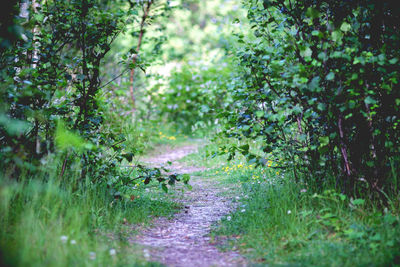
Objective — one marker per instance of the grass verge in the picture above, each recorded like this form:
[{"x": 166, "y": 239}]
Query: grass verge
[
  {"x": 281, "y": 223},
  {"x": 43, "y": 223}
]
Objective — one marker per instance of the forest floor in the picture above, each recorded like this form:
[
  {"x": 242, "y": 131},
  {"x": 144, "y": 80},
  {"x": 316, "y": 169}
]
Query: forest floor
[{"x": 184, "y": 240}]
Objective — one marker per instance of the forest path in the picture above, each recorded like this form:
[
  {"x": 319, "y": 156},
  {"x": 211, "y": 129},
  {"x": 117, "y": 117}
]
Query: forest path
[{"x": 184, "y": 239}]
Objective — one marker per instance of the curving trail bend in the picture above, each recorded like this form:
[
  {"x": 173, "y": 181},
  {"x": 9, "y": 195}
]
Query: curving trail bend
[{"x": 183, "y": 240}]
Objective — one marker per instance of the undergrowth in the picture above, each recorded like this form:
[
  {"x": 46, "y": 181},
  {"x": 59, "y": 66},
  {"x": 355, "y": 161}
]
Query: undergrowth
[
  {"x": 279, "y": 222},
  {"x": 45, "y": 223}
]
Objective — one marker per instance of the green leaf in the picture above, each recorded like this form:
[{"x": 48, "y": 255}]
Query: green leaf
[
  {"x": 244, "y": 148},
  {"x": 164, "y": 188},
  {"x": 330, "y": 76},
  {"x": 314, "y": 84},
  {"x": 312, "y": 13},
  {"x": 369, "y": 100},
  {"x": 306, "y": 53},
  {"x": 128, "y": 156},
  {"x": 337, "y": 36},
  {"x": 358, "y": 202},
  {"x": 376, "y": 237},
  {"x": 204, "y": 108},
  {"x": 13, "y": 126},
  {"x": 321, "y": 106},
  {"x": 260, "y": 113},
  {"x": 186, "y": 178},
  {"x": 266, "y": 3},
  {"x": 324, "y": 140},
  {"x": 188, "y": 186},
  {"x": 66, "y": 139},
  {"x": 393, "y": 60},
  {"x": 315, "y": 33},
  {"x": 345, "y": 27},
  {"x": 297, "y": 109}
]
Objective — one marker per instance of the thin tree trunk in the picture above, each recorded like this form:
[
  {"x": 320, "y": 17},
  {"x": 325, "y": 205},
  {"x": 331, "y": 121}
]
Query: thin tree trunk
[
  {"x": 343, "y": 148},
  {"x": 141, "y": 33},
  {"x": 64, "y": 166},
  {"x": 35, "y": 31}
]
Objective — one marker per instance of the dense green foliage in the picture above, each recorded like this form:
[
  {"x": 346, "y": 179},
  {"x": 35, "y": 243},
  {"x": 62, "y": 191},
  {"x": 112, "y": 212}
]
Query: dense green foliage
[
  {"x": 320, "y": 84},
  {"x": 51, "y": 81},
  {"x": 62, "y": 150},
  {"x": 197, "y": 95},
  {"x": 52, "y": 72}
]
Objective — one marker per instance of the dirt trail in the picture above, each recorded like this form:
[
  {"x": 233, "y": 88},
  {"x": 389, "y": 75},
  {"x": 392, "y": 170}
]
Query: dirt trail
[{"x": 183, "y": 240}]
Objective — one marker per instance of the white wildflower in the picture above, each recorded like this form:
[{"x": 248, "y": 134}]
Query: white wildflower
[
  {"x": 92, "y": 255},
  {"x": 289, "y": 212},
  {"x": 64, "y": 239},
  {"x": 112, "y": 252},
  {"x": 228, "y": 218},
  {"x": 243, "y": 210},
  {"x": 73, "y": 242},
  {"x": 146, "y": 253}
]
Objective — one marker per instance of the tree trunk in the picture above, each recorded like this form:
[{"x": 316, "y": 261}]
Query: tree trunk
[{"x": 146, "y": 11}]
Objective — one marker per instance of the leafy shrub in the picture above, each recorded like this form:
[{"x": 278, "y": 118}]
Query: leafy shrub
[
  {"x": 194, "y": 94},
  {"x": 319, "y": 82}
]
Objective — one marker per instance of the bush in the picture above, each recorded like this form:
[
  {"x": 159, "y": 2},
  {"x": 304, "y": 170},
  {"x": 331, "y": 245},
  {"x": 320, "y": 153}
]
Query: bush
[
  {"x": 319, "y": 82},
  {"x": 193, "y": 95}
]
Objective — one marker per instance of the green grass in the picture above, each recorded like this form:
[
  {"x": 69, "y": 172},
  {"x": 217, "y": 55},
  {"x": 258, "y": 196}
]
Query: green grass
[
  {"x": 45, "y": 224},
  {"x": 278, "y": 223},
  {"x": 204, "y": 158},
  {"x": 143, "y": 137}
]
